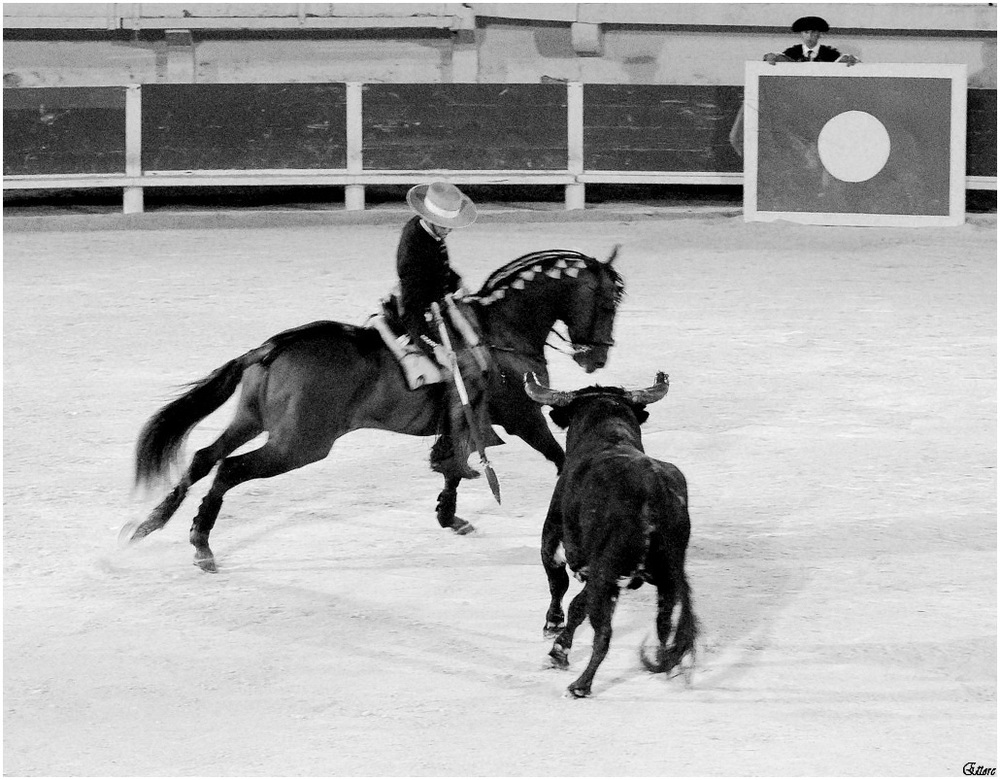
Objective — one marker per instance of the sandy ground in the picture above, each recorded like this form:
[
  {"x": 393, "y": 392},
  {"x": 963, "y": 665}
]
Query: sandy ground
[{"x": 833, "y": 404}]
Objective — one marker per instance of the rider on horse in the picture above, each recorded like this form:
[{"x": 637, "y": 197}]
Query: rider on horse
[{"x": 426, "y": 277}]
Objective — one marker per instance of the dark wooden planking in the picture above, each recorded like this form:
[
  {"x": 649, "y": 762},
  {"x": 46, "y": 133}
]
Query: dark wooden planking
[
  {"x": 63, "y": 130},
  {"x": 981, "y": 133},
  {"x": 244, "y": 126},
  {"x": 660, "y": 127},
  {"x": 465, "y": 126}
]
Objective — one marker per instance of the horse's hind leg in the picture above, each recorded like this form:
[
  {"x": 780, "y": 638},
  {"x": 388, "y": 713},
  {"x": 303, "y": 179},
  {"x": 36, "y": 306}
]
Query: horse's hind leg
[
  {"x": 239, "y": 432},
  {"x": 268, "y": 461}
]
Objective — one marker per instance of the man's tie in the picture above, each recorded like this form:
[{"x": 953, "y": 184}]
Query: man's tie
[{"x": 809, "y": 56}]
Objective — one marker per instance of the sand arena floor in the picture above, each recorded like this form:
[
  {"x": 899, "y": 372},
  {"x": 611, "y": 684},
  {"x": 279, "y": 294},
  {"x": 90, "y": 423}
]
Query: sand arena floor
[{"x": 833, "y": 404}]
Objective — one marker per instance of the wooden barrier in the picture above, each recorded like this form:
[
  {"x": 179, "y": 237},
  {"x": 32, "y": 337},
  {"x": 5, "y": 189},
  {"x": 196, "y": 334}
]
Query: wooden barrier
[
  {"x": 64, "y": 130},
  {"x": 244, "y": 127},
  {"x": 356, "y": 135}
]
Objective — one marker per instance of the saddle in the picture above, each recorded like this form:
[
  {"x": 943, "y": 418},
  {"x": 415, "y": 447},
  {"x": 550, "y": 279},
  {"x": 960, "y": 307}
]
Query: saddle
[{"x": 417, "y": 367}]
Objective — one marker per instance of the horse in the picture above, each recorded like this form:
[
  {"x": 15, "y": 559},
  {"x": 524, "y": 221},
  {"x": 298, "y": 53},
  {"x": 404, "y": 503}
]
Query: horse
[{"x": 308, "y": 386}]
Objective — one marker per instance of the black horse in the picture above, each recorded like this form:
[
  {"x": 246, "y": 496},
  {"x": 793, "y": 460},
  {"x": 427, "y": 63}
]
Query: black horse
[{"x": 309, "y": 386}]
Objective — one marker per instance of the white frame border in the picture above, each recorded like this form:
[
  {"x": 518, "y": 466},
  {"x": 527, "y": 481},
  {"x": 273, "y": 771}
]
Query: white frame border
[{"x": 956, "y": 185}]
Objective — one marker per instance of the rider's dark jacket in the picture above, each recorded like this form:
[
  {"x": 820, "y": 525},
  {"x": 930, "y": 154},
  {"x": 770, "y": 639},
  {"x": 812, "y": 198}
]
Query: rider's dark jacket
[{"x": 425, "y": 276}]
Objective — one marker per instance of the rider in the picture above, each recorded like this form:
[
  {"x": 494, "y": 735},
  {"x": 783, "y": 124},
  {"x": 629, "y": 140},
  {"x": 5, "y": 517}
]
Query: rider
[{"x": 425, "y": 277}]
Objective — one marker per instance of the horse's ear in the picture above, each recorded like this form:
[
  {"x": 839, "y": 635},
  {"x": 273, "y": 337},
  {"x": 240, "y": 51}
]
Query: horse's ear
[{"x": 612, "y": 256}]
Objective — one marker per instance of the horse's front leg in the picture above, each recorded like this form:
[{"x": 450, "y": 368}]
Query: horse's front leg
[
  {"x": 528, "y": 422},
  {"x": 446, "y": 505}
]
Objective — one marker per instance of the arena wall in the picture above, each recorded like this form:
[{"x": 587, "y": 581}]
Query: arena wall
[
  {"x": 604, "y": 54},
  {"x": 106, "y": 44}
]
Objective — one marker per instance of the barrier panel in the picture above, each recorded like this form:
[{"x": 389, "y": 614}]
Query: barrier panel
[
  {"x": 464, "y": 127},
  {"x": 981, "y": 134},
  {"x": 243, "y": 127},
  {"x": 656, "y": 127},
  {"x": 64, "y": 130},
  {"x": 353, "y": 135}
]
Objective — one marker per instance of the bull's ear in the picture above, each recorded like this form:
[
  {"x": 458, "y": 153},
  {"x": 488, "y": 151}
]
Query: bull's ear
[
  {"x": 641, "y": 415},
  {"x": 560, "y": 416}
]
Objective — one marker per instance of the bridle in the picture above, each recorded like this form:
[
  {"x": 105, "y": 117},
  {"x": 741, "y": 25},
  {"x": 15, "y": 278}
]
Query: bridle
[
  {"x": 583, "y": 345},
  {"x": 575, "y": 347}
]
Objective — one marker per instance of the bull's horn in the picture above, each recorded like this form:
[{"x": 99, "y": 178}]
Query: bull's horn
[
  {"x": 651, "y": 394},
  {"x": 612, "y": 256},
  {"x": 546, "y": 396}
]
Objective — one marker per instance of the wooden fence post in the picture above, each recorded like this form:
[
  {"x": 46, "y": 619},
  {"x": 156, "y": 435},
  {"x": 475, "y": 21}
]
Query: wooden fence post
[
  {"x": 354, "y": 194},
  {"x": 132, "y": 197},
  {"x": 576, "y": 192}
]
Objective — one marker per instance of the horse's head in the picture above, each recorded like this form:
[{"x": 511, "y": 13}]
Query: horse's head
[
  {"x": 590, "y": 317},
  {"x": 524, "y": 299}
]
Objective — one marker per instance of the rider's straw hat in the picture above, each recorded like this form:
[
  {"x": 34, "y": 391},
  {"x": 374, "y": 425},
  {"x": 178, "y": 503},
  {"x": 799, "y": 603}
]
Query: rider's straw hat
[{"x": 442, "y": 203}]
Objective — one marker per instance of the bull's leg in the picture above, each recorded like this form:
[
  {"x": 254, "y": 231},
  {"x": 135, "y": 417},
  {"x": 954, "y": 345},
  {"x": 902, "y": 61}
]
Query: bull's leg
[
  {"x": 601, "y": 601},
  {"x": 577, "y": 614},
  {"x": 446, "y": 505},
  {"x": 555, "y": 570},
  {"x": 676, "y": 625}
]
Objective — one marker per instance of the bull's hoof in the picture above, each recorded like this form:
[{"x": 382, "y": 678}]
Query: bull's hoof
[
  {"x": 552, "y": 628},
  {"x": 559, "y": 656},
  {"x": 462, "y": 527}
]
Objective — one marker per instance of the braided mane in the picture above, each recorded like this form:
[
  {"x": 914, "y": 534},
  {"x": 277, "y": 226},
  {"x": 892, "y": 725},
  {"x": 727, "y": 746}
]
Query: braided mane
[{"x": 553, "y": 263}]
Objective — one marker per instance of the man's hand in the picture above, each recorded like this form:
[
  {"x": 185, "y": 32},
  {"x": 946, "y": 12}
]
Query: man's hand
[{"x": 849, "y": 59}]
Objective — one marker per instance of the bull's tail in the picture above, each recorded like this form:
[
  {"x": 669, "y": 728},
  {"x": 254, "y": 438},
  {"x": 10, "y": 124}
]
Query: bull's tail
[
  {"x": 164, "y": 433},
  {"x": 680, "y": 634}
]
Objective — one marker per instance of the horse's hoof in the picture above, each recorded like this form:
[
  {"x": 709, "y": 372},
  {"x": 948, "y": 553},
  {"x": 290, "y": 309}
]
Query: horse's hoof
[
  {"x": 552, "y": 629},
  {"x": 578, "y": 692},
  {"x": 462, "y": 527},
  {"x": 206, "y": 563},
  {"x": 560, "y": 659},
  {"x": 127, "y": 533}
]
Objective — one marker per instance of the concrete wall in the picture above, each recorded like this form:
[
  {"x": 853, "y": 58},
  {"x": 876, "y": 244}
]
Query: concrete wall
[{"x": 633, "y": 43}]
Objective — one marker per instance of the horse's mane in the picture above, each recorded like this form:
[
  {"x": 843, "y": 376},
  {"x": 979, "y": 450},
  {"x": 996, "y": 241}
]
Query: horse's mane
[{"x": 553, "y": 263}]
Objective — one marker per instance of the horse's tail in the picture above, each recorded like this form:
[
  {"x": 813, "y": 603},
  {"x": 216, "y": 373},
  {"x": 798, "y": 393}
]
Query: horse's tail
[{"x": 164, "y": 433}]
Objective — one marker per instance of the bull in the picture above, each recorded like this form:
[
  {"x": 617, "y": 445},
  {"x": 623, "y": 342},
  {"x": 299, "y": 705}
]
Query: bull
[{"x": 619, "y": 518}]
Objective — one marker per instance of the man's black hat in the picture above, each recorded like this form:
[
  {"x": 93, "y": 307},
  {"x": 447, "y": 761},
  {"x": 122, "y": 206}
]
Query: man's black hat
[{"x": 810, "y": 23}]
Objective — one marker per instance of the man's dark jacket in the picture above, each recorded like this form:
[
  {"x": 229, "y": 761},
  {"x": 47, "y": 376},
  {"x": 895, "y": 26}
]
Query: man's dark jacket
[
  {"x": 825, "y": 54},
  {"x": 425, "y": 276}
]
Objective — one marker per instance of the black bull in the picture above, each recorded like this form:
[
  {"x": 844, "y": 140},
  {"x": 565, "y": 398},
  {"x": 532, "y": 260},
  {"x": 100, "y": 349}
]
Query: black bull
[
  {"x": 309, "y": 386},
  {"x": 621, "y": 518}
]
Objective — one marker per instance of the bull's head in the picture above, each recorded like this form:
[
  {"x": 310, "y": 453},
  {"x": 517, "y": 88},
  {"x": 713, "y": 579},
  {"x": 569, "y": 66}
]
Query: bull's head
[
  {"x": 546, "y": 396},
  {"x": 564, "y": 403}
]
